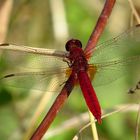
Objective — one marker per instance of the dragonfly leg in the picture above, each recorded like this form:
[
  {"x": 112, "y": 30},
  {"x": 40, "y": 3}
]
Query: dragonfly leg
[{"x": 67, "y": 61}]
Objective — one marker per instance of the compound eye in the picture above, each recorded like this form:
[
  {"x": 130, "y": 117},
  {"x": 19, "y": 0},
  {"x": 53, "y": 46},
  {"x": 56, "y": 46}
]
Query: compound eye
[{"x": 73, "y": 43}]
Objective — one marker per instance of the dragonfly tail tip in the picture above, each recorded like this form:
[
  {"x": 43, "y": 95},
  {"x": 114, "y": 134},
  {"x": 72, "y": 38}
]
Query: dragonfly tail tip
[{"x": 99, "y": 120}]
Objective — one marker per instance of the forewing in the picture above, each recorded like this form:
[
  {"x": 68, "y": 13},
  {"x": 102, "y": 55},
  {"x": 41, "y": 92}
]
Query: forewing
[{"x": 125, "y": 45}]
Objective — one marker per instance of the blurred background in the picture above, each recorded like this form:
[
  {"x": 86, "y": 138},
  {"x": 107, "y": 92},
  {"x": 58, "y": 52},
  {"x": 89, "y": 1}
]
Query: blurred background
[{"x": 49, "y": 24}]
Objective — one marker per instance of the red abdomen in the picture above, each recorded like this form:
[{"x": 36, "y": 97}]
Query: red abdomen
[{"x": 89, "y": 95}]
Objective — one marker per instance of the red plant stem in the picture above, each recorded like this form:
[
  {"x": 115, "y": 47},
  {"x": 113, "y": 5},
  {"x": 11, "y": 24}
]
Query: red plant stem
[
  {"x": 59, "y": 101},
  {"x": 97, "y": 31}
]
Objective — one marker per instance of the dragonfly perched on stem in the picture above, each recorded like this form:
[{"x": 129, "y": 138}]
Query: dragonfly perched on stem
[{"x": 112, "y": 57}]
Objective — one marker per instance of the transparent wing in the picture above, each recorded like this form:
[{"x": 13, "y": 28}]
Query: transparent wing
[
  {"x": 117, "y": 57},
  {"x": 125, "y": 45},
  {"x": 34, "y": 80},
  {"x": 31, "y": 71},
  {"x": 109, "y": 71}
]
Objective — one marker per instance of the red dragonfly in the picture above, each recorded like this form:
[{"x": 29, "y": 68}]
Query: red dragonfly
[{"x": 107, "y": 64}]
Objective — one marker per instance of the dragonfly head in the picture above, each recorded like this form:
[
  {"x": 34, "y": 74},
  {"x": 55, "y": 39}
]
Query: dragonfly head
[{"x": 73, "y": 43}]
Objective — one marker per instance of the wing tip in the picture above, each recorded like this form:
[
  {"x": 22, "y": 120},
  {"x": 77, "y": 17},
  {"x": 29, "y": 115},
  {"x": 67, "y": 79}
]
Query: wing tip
[
  {"x": 138, "y": 25},
  {"x": 7, "y": 76},
  {"x": 4, "y": 44}
]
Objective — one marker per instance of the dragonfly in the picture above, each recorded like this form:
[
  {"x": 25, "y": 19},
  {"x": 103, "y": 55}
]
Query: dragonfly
[{"x": 108, "y": 62}]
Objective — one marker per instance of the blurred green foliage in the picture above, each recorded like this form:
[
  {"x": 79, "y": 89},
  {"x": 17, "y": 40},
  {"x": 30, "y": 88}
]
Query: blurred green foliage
[{"x": 31, "y": 24}]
